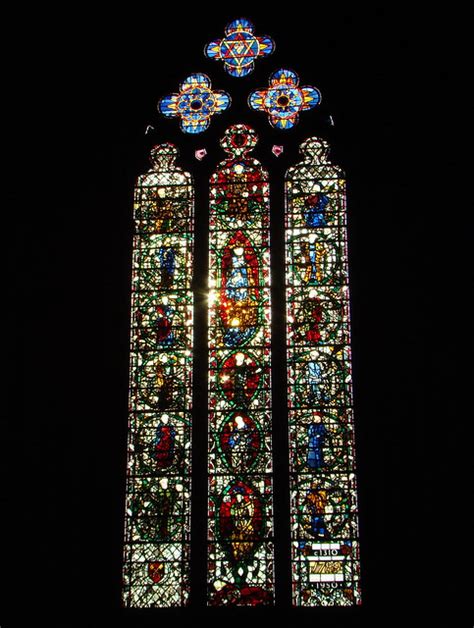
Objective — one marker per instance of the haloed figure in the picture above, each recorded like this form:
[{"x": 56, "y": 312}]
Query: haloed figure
[
  {"x": 316, "y": 439},
  {"x": 313, "y": 260},
  {"x": 237, "y": 281},
  {"x": 315, "y": 501},
  {"x": 164, "y": 323},
  {"x": 165, "y": 500},
  {"x": 315, "y": 210},
  {"x": 241, "y": 374},
  {"x": 239, "y": 379},
  {"x": 167, "y": 261},
  {"x": 239, "y": 295},
  {"x": 164, "y": 382},
  {"x": 164, "y": 446},
  {"x": 313, "y": 317},
  {"x": 239, "y": 442},
  {"x": 314, "y": 379}
]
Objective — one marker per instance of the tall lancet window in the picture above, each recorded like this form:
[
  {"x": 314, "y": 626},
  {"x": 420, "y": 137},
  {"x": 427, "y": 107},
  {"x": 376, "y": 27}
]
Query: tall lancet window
[
  {"x": 240, "y": 455},
  {"x": 157, "y": 532},
  {"x": 215, "y": 377},
  {"x": 323, "y": 507}
]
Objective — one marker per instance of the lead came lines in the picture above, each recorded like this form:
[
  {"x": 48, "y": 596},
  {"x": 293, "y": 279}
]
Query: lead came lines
[
  {"x": 323, "y": 517},
  {"x": 240, "y": 567},
  {"x": 157, "y": 518}
]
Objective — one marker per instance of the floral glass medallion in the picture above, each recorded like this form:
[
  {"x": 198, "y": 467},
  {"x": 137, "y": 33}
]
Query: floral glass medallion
[
  {"x": 284, "y": 99},
  {"x": 194, "y": 104}
]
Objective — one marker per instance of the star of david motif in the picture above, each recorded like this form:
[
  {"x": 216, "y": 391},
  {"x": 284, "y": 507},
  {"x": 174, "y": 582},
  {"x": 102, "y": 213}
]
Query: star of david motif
[{"x": 239, "y": 48}]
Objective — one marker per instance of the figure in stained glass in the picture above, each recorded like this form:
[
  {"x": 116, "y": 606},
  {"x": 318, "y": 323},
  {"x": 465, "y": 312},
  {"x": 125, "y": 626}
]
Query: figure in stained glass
[
  {"x": 164, "y": 446},
  {"x": 313, "y": 258},
  {"x": 236, "y": 274},
  {"x": 153, "y": 507},
  {"x": 231, "y": 595},
  {"x": 315, "y": 503},
  {"x": 163, "y": 325},
  {"x": 240, "y": 441},
  {"x": 316, "y": 440},
  {"x": 240, "y": 376},
  {"x": 164, "y": 383},
  {"x": 163, "y": 213},
  {"x": 315, "y": 379},
  {"x": 240, "y": 518},
  {"x": 313, "y": 335},
  {"x": 315, "y": 210},
  {"x": 167, "y": 262},
  {"x": 166, "y": 497},
  {"x": 308, "y": 319},
  {"x": 238, "y": 303}
]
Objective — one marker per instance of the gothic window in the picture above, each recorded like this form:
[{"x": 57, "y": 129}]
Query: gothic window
[
  {"x": 157, "y": 534},
  {"x": 323, "y": 507},
  {"x": 240, "y": 454},
  {"x": 276, "y": 407}
]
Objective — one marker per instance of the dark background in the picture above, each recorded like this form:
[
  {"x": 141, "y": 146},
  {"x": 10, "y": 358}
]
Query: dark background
[{"x": 82, "y": 94}]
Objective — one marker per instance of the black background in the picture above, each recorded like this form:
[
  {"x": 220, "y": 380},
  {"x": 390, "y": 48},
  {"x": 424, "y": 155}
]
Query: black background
[{"x": 83, "y": 91}]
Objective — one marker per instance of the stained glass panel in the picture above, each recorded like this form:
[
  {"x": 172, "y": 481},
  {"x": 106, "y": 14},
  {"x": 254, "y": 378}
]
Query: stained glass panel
[
  {"x": 240, "y": 532},
  {"x": 195, "y": 103},
  {"x": 239, "y": 48},
  {"x": 158, "y": 501},
  {"x": 284, "y": 99},
  {"x": 323, "y": 510}
]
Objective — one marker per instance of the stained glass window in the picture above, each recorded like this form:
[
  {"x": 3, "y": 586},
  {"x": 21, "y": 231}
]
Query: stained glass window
[
  {"x": 240, "y": 568},
  {"x": 157, "y": 533},
  {"x": 239, "y": 48},
  {"x": 284, "y": 99},
  {"x": 324, "y": 537},
  {"x": 195, "y": 103},
  {"x": 322, "y": 545}
]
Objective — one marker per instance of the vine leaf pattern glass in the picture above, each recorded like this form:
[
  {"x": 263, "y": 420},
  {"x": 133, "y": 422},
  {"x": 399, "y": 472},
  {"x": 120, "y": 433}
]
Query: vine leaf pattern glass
[
  {"x": 240, "y": 567},
  {"x": 158, "y": 500},
  {"x": 284, "y": 99},
  {"x": 323, "y": 510},
  {"x": 195, "y": 103},
  {"x": 239, "y": 48}
]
